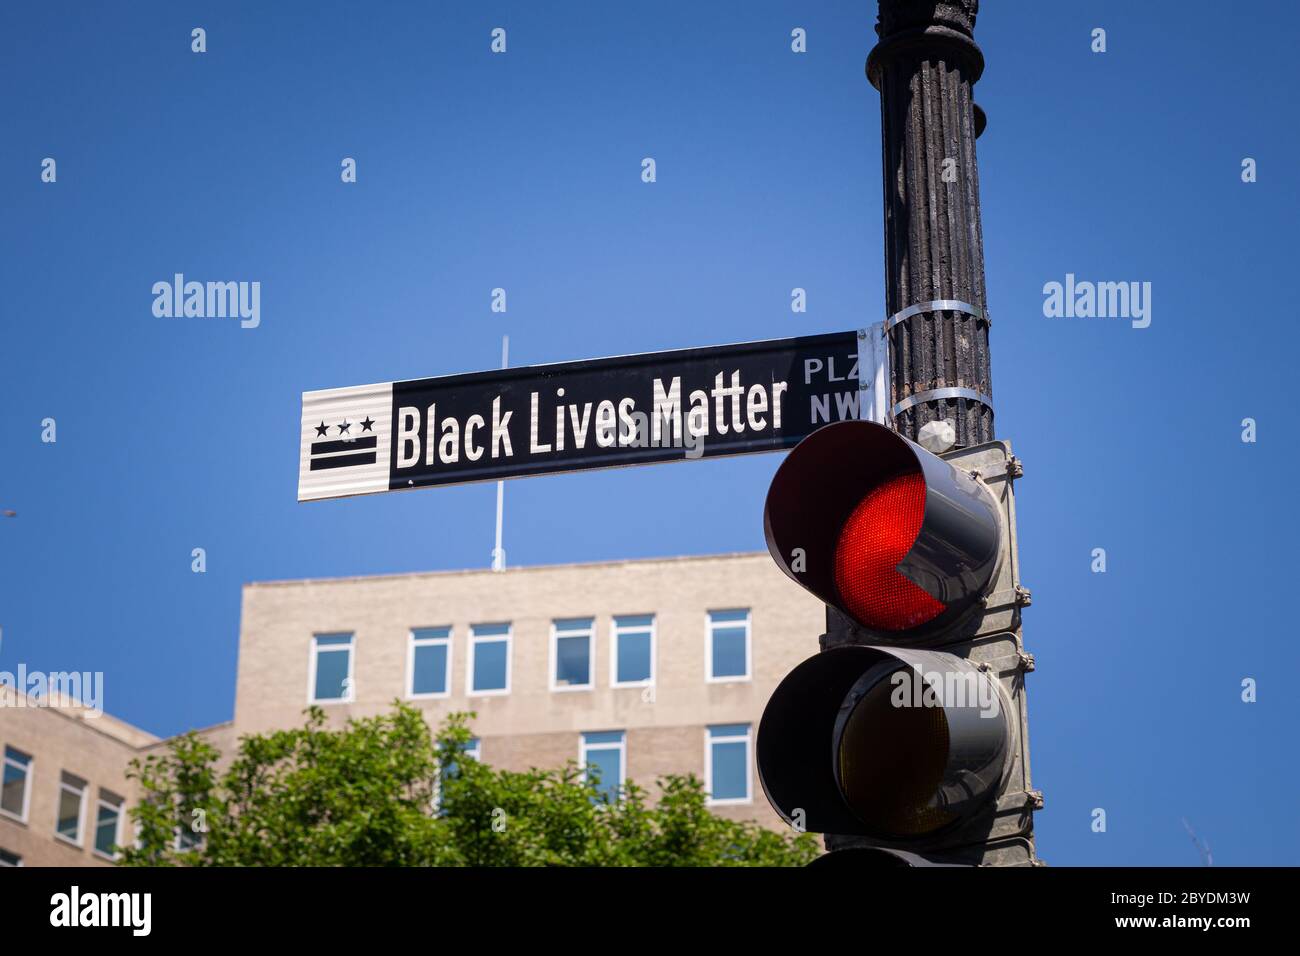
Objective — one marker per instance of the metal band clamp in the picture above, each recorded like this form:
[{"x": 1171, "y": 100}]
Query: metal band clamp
[
  {"x": 940, "y": 393},
  {"x": 938, "y": 305}
]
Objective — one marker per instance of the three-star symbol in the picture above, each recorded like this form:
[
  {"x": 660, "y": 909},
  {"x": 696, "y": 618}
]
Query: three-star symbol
[{"x": 367, "y": 425}]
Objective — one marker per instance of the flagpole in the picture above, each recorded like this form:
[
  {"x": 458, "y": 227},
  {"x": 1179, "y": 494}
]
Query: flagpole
[{"x": 498, "y": 553}]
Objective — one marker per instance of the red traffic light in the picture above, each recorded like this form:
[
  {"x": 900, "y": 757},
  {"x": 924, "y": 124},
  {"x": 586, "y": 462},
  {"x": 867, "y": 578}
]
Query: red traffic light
[
  {"x": 904, "y": 738},
  {"x": 895, "y": 537},
  {"x": 874, "y": 540}
]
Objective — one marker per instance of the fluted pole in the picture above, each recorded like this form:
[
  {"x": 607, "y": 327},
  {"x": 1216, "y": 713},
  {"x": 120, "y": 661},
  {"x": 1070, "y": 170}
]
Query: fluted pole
[{"x": 924, "y": 66}]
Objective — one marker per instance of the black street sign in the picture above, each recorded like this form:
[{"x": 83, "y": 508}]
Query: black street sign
[{"x": 601, "y": 413}]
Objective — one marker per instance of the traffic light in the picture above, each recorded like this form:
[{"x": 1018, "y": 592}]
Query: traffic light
[{"x": 904, "y": 740}]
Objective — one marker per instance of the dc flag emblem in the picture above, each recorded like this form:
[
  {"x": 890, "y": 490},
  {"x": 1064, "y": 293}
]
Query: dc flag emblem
[
  {"x": 344, "y": 451},
  {"x": 345, "y": 438}
]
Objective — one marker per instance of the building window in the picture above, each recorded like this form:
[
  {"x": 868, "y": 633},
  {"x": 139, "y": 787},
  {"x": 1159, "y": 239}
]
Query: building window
[
  {"x": 632, "y": 660},
  {"x": 489, "y": 659},
  {"x": 603, "y": 758},
  {"x": 428, "y": 662},
  {"x": 108, "y": 820},
  {"x": 188, "y": 838},
  {"x": 471, "y": 749},
  {"x": 726, "y": 763},
  {"x": 9, "y": 859},
  {"x": 571, "y": 641},
  {"x": 331, "y": 669},
  {"x": 15, "y": 790},
  {"x": 72, "y": 796},
  {"x": 727, "y": 655}
]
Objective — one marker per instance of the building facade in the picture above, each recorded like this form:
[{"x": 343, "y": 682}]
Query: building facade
[
  {"x": 64, "y": 791},
  {"x": 640, "y": 667},
  {"x": 632, "y": 669}
]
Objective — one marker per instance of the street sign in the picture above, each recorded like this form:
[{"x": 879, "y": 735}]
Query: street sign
[{"x": 602, "y": 413}]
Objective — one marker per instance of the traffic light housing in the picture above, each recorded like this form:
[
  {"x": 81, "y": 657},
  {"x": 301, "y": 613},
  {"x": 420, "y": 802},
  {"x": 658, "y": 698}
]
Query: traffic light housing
[
  {"x": 907, "y": 735},
  {"x": 895, "y": 537}
]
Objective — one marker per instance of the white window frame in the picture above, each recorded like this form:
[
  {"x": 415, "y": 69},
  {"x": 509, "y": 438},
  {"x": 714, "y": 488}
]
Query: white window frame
[
  {"x": 315, "y": 648},
  {"x": 709, "y": 740},
  {"x": 199, "y": 840},
  {"x": 614, "y": 633},
  {"x": 709, "y": 626},
  {"x": 16, "y": 856},
  {"x": 584, "y": 748},
  {"x": 555, "y": 657},
  {"x": 475, "y": 753},
  {"x": 120, "y": 807},
  {"x": 474, "y": 641},
  {"x": 27, "y": 769},
  {"x": 411, "y": 645},
  {"x": 80, "y": 791}
]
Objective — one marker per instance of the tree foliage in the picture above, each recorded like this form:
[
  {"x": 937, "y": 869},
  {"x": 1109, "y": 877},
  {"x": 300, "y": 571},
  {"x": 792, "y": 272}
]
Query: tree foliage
[{"x": 385, "y": 791}]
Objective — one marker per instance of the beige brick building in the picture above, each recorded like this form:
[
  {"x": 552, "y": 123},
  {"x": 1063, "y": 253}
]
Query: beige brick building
[
  {"x": 636, "y": 668},
  {"x": 65, "y": 793}
]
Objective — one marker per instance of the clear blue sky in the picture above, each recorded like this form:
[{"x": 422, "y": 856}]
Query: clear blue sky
[{"x": 523, "y": 171}]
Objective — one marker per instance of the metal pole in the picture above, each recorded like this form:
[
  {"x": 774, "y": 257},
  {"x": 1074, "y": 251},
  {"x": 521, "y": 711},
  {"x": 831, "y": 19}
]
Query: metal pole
[
  {"x": 924, "y": 67},
  {"x": 498, "y": 553}
]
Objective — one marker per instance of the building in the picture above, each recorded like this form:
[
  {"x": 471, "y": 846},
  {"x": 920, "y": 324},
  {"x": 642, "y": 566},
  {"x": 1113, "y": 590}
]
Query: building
[
  {"x": 638, "y": 668},
  {"x": 643, "y": 667},
  {"x": 64, "y": 791}
]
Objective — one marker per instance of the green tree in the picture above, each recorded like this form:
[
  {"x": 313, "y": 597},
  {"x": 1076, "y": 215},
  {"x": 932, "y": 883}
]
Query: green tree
[{"x": 384, "y": 791}]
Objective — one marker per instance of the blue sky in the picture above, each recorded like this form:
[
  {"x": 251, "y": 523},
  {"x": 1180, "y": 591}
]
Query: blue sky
[{"x": 523, "y": 171}]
